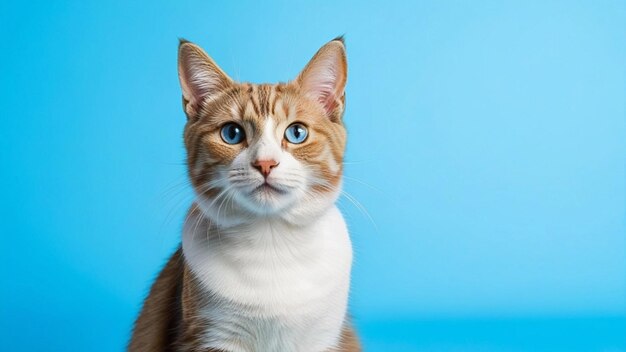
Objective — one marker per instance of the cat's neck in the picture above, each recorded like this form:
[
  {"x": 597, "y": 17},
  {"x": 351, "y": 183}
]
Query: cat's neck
[
  {"x": 202, "y": 229},
  {"x": 269, "y": 262}
]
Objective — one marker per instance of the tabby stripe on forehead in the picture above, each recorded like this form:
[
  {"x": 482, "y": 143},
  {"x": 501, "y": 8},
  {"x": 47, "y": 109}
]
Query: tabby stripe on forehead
[
  {"x": 255, "y": 107},
  {"x": 270, "y": 98},
  {"x": 261, "y": 98},
  {"x": 264, "y": 99},
  {"x": 275, "y": 92}
]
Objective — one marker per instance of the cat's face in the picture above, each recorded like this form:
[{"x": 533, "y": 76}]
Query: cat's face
[{"x": 264, "y": 150}]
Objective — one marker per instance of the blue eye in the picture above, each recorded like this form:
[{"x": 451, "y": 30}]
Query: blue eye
[
  {"x": 296, "y": 133},
  {"x": 232, "y": 133}
]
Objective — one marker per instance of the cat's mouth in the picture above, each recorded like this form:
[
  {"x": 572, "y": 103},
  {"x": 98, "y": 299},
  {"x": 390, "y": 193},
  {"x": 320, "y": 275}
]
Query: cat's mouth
[{"x": 267, "y": 188}]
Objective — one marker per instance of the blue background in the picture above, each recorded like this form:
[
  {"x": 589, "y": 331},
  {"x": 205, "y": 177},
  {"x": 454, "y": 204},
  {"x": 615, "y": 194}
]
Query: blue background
[{"x": 487, "y": 143}]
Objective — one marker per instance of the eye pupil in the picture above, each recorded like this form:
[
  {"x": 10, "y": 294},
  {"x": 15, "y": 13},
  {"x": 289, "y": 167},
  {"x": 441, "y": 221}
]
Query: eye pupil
[{"x": 232, "y": 132}]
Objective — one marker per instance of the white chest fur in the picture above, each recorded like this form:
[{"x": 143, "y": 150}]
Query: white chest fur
[{"x": 275, "y": 287}]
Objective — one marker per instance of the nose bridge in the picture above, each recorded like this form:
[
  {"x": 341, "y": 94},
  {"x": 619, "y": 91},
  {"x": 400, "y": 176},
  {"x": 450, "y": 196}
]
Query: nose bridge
[{"x": 267, "y": 147}]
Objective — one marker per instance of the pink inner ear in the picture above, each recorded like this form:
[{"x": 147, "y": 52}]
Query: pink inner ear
[
  {"x": 321, "y": 82},
  {"x": 329, "y": 103},
  {"x": 324, "y": 77}
]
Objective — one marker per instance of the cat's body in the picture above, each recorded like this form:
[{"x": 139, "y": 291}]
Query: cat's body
[{"x": 266, "y": 256}]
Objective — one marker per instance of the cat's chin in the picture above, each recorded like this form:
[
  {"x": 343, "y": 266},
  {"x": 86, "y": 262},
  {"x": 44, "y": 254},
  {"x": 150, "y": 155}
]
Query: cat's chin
[
  {"x": 247, "y": 205},
  {"x": 266, "y": 191},
  {"x": 267, "y": 200},
  {"x": 290, "y": 206}
]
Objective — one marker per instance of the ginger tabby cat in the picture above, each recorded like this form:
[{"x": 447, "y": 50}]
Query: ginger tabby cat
[{"x": 265, "y": 259}]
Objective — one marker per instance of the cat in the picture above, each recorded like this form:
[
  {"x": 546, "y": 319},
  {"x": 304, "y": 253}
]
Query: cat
[{"x": 266, "y": 257}]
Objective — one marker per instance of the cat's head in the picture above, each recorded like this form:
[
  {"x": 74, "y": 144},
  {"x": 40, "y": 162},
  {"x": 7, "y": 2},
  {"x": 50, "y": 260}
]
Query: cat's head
[{"x": 264, "y": 150}]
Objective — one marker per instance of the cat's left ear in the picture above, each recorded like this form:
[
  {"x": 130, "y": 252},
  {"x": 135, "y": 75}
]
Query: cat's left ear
[{"x": 324, "y": 78}]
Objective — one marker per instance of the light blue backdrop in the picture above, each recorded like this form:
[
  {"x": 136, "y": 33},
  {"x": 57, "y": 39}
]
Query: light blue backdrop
[{"x": 487, "y": 143}]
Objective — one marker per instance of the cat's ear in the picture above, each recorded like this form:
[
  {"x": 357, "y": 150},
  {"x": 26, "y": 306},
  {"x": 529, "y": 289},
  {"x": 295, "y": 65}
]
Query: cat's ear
[
  {"x": 324, "y": 78},
  {"x": 200, "y": 77}
]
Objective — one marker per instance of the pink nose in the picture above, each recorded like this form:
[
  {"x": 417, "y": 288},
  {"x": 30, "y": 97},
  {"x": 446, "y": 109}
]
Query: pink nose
[{"x": 265, "y": 166}]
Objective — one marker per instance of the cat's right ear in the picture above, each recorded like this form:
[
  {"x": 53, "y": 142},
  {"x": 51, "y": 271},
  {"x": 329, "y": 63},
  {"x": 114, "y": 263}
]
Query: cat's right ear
[{"x": 200, "y": 77}]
